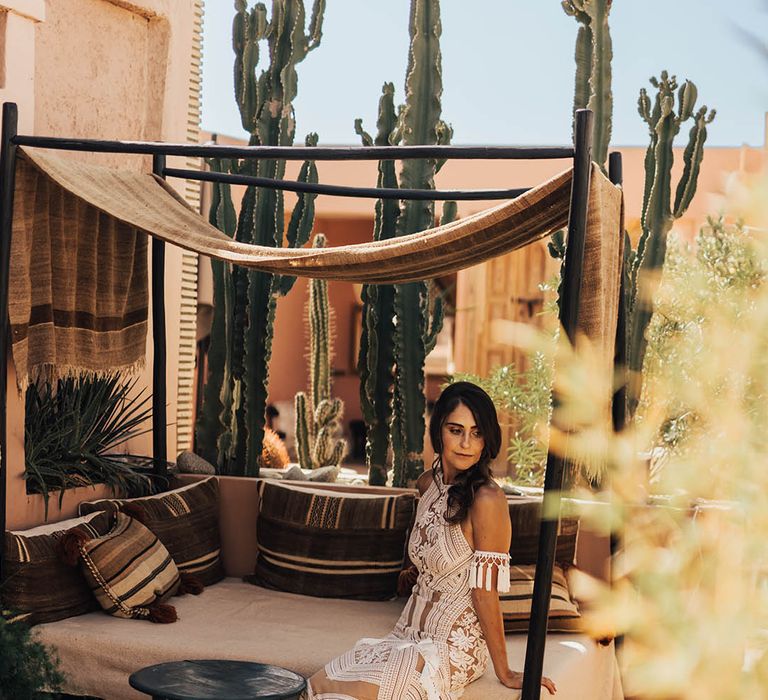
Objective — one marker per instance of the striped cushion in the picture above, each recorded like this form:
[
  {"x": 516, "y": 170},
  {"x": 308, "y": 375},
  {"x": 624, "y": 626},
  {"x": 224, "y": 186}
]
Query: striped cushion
[
  {"x": 128, "y": 569},
  {"x": 525, "y": 514},
  {"x": 186, "y": 520},
  {"x": 564, "y": 613},
  {"x": 331, "y": 544},
  {"x": 36, "y": 580}
]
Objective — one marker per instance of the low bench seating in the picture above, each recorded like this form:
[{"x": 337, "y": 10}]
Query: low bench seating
[{"x": 235, "y": 620}]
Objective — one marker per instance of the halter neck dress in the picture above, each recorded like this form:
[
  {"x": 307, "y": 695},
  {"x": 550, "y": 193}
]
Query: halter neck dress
[{"x": 437, "y": 646}]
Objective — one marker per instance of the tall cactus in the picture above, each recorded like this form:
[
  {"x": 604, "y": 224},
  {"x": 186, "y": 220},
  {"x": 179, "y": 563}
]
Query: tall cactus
[
  {"x": 265, "y": 102},
  {"x": 214, "y": 429},
  {"x": 418, "y": 317},
  {"x": 594, "y": 53},
  {"x": 593, "y": 89},
  {"x": 318, "y": 417},
  {"x": 659, "y": 211},
  {"x": 377, "y": 353}
]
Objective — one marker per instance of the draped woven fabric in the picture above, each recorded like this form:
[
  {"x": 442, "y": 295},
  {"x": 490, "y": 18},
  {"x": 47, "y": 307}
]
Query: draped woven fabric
[
  {"x": 78, "y": 299},
  {"x": 56, "y": 196}
]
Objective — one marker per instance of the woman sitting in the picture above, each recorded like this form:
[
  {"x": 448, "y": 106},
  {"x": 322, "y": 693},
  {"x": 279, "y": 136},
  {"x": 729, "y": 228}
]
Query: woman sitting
[{"x": 459, "y": 547}]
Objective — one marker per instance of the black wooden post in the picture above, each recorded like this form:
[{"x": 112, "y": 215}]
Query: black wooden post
[
  {"x": 159, "y": 410},
  {"x": 553, "y": 479},
  {"x": 619, "y": 408},
  {"x": 7, "y": 182}
]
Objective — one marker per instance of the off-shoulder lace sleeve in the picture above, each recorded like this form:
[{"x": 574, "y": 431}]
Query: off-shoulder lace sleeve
[{"x": 481, "y": 569}]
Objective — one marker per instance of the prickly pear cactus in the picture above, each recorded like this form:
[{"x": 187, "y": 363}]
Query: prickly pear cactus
[
  {"x": 235, "y": 431},
  {"x": 659, "y": 209},
  {"x": 318, "y": 417}
]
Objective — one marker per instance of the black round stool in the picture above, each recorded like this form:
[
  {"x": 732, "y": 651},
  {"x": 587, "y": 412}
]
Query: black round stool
[{"x": 217, "y": 680}]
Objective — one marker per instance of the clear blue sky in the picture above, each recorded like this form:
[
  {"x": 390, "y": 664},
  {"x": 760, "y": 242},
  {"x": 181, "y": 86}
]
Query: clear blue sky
[{"x": 508, "y": 67}]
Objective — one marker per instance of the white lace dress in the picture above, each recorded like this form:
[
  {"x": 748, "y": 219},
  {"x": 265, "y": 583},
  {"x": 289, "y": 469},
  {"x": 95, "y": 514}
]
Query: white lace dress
[{"x": 437, "y": 646}]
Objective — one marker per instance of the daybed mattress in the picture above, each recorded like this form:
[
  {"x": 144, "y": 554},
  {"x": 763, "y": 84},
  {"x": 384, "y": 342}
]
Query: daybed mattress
[{"x": 236, "y": 620}]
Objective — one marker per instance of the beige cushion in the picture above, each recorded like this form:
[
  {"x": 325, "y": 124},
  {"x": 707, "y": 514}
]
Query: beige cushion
[
  {"x": 235, "y": 620},
  {"x": 564, "y": 613}
]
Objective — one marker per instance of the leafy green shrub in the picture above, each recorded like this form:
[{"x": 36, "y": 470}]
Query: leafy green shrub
[
  {"x": 526, "y": 397},
  {"x": 72, "y": 431},
  {"x": 26, "y": 666},
  {"x": 725, "y": 269}
]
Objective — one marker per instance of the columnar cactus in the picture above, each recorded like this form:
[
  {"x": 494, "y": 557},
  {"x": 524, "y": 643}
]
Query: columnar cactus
[
  {"x": 418, "y": 316},
  {"x": 231, "y": 427},
  {"x": 318, "y": 418},
  {"x": 659, "y": 212},
  {"x": 377, "y": 352},
  {"x": 593, "y": 89},
  {"x": 594, "y": 53}
]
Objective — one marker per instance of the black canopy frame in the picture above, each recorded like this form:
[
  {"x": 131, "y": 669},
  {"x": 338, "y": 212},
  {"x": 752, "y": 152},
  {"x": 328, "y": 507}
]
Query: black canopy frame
[{"x": 581, "y": 155}]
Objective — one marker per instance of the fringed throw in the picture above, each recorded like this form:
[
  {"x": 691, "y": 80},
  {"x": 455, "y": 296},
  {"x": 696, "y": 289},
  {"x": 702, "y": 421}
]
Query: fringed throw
[
  {"x": 481, "y": 570},
  {"x": 78, "y": 295}
]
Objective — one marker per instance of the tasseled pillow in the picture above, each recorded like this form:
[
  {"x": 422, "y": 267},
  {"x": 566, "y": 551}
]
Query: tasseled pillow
[{"x": 129, "y": 570}]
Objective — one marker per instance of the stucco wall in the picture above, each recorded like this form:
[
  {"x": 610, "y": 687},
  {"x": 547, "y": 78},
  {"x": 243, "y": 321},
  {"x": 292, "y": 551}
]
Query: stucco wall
[{"x": 101, "y": 69}]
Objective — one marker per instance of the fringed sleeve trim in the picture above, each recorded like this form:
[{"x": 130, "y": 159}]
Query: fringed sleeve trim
[{"x": 480, "y": 572}]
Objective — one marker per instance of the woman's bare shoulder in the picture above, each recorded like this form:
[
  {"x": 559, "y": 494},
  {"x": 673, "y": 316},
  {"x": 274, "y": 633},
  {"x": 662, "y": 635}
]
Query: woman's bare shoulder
[
  {"x": 490, "y": 519},
  {"x": 423, "y": 482},
  {"x": 490, "y": 493},
  {"x": 489, "y": 501}
]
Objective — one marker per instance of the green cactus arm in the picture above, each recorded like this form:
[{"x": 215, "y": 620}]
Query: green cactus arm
[
  {"x": 320, "y": 350},
  {"x": 644, "y": 107},
  {"x": 436, "y": 325},
  {"x": 239, "y": 40},
  {"x": 328, "y": 411},
  {"x": 302, "y": 216},
  {"x": 582, "y": 56},
  {"x": 601, "y": 96},
  {"x": 321, "y": 448},
  {"x": 692, "y": 158},
  {"x": 444, "y": 133},
  {"x": 209, "y": 423},
  {"x": 365, "y": 137},
  {"x": 316, "y": 24},
  {"x": 410, "y": 354},
  {"x": 686, "y": 100},
  {"x": 376, "y": 358},
  {"x": 303, "y": 436},
  {"x": 375, "y": 363},
  {"x": 450, "y": 213},
  {"x": 338, "y": 453}
]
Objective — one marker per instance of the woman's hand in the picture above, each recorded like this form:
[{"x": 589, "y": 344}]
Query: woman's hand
[{"x": 514, "y": 679}]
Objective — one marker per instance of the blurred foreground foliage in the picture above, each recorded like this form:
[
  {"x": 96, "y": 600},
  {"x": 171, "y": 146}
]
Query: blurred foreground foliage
[{"x": 690, "y": 590}]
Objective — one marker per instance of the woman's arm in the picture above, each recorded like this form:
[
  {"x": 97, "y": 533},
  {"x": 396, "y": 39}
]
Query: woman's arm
[{"x": 492, "y": 532}]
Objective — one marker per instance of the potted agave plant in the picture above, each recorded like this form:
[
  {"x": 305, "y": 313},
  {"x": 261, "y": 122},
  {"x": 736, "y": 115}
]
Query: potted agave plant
[{"x": 73, "y": 429}]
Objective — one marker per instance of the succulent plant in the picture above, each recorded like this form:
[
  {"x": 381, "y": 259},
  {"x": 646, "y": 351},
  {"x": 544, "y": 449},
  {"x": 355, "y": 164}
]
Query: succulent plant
[
  {"x": 318, "y": 417},
  {"x": 231, "y": 425}
]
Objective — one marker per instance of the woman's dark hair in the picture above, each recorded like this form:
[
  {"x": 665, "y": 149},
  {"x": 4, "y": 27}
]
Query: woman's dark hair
[{"x": 462, "y": 491}]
